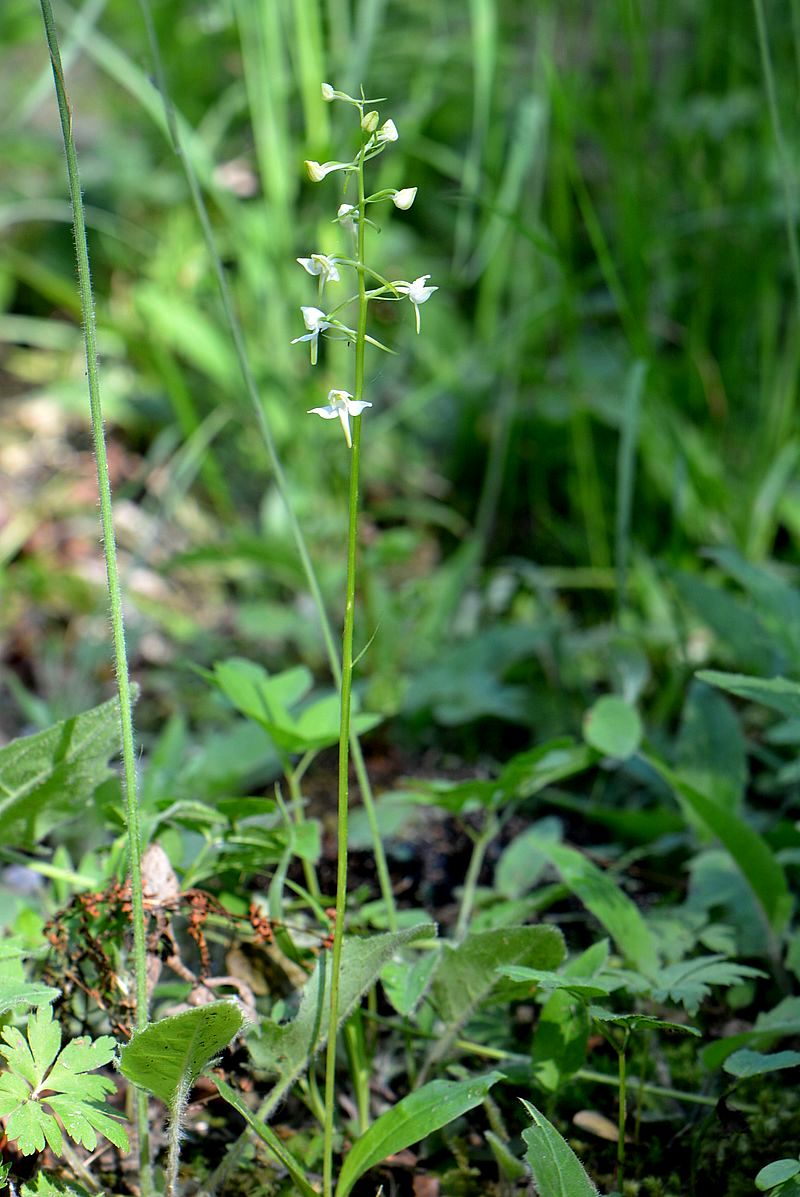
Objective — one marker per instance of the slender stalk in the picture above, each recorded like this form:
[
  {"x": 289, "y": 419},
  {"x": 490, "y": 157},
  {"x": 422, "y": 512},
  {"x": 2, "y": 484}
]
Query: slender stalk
[
  {"x": 114, "y": 589},
  {"x": 784, "y": 161},
  {"x": 265, "y": 431},
  {"x": 470, "y": 889},
  {"x": 346, "y": 690},
  {"x": 621, "y": 1116}
]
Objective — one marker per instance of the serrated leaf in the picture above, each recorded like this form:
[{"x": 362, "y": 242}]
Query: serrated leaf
[
  {"x": 556, "y": 1169},
  {"x": 30, "y": 1126},
  {"x": 167, "y": 1057},
  {"x": 65, "y": 1077},
  {"x": 689, "y": 981},
  {"x": 51, "y": 1186},
  {"x": 285, "y": 1051},
  {"x": 746, "y": 1063},
  {"x": 425, "y": 1110},
  {"x": 51, "y": 776}
]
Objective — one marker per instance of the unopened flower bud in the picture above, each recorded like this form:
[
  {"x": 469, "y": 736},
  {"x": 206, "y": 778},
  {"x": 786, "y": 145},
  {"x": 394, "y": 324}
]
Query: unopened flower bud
[
  {"x": 369, "y": 121},
  {"x": 328, "y": 93},
  {"x": 404, "y": 198}
]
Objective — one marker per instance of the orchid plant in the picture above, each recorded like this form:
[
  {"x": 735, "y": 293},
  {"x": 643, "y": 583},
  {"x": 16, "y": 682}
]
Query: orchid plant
[{"x": 346, "y": 406}]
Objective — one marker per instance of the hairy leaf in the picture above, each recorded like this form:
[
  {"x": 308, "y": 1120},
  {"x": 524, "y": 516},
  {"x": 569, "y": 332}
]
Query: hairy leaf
[
  {"x": 167, "y": 1057},
  {"x": 51, "y": 776},
  {"x": 556, "y": 1169}
]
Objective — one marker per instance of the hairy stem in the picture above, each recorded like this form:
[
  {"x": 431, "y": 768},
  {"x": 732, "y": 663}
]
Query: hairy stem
[{"x": 110, "y": 550}]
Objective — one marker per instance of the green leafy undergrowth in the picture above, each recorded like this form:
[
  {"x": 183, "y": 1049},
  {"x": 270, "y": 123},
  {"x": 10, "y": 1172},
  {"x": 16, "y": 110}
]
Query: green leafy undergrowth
[{"x": 44, "y": 1089}]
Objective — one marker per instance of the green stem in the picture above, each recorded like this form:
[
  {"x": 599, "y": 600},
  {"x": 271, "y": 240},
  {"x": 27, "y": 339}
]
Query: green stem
[
  {"x": 265, "y": 431},
  {"x": 112, "y": 573},
  {"x": 346, "y": 690},
  {"x": 784, "y": 161},
  {"x": 621, "y": 1117},
  {"x": 470, "y": 889}
]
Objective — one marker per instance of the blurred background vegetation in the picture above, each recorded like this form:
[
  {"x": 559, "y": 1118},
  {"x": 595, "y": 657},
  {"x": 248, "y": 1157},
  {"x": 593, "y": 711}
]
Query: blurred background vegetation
[{"x": 564, "y": 473}]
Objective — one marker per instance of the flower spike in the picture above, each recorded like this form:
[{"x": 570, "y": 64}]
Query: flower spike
[{"x": 341, "y": 405}]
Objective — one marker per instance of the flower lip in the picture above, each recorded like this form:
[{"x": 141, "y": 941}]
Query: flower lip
[{"x": 341, "y": 405}]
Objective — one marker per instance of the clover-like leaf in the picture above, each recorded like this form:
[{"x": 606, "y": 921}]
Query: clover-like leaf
[{"x": 45, "y": 1089}]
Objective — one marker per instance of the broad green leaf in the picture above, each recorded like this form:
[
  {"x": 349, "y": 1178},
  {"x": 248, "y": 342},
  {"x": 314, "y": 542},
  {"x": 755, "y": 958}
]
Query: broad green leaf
[
  {"x": 751, "y": 852},
  {"x": 285, "y": 1051},
  {"x": 776, "y": 1173},
  {"x": 415, "y": 1116},
  {"x": 612, "y": 726},
  {"x": 520, "y": 865},
  {"x": 167, "y": 1057},
  {"x": 561, "y": 1040},
  {"x": 38, "y": 1074},
  {"x": 777, "y": 693},
  {"x": 710, "y": 753},
  {"x": 257, "y": 694},
  {"x": 689, "y": 981},
  {"x": 268, "y": 1136},
  {"x": 556, "y": 1169},
  {"x": 50, "y": 777},
  {"x": 746, "y": 1063},
  {"x": 467, "y": 973},
  {"x": 268, "y": 699},
  {"x": 405, "y": 981},
  {"x": 771, "y": 1025},
  {"x": 605, "y": 900}
]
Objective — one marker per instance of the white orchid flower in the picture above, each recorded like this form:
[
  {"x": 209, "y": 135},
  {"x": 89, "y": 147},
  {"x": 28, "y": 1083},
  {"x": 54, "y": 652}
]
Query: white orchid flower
[
  {"x": 387, "y": 132},
  {"x": 323, "y": 266},
  {"x": 318, "y": 170},
  {"x": 404, "y": 198},
  {"x": 328, "y": 93},
  {"x": 417, "y": 292},
  {"x": 341, "y": 405},
  {"x": 315, "y": 322},
  {"x": 347, "y": 215}
]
